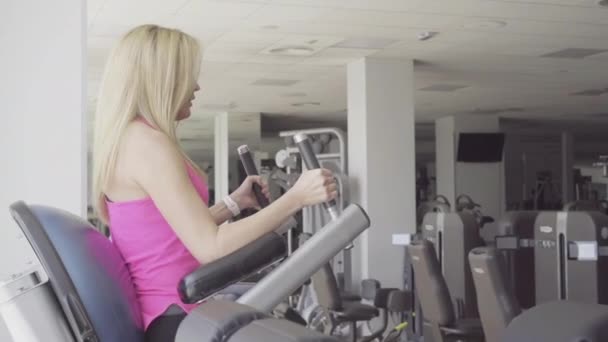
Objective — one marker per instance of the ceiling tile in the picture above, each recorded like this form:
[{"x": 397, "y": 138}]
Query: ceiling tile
[
  {"x": 392, "y": 19},
  {"x": 238, "y": 36},
  {"x": 275, "y": 14},
  {"x": 136, "y": 12},
  {"x": 386, "y": 5}
]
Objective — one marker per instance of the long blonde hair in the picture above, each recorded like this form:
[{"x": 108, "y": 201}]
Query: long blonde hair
[{"x": 151, "y": 73}]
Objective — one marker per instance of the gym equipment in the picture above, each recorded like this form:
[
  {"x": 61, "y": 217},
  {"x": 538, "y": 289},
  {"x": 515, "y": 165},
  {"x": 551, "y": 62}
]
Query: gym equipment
[
  {"x": 603, "y": 163},
  {"x": 496, "y": 300},
  {"x": 310, "y": 160},
  {"x": 561, "y": 321},
  {"x": 466, "y": 203},
  {"x": 438, "y": 204},
  {"x": 412, "y": 311},
  {"x": 251, "y": 170},
  {"x": 515, "y": 239},
  {"x": 324, "y": 283},
  {"x": 462, "y": 232},
  {"x": 329, "y": 147},
  {"x": 503, "y": 319},
  {"x": 434, "y": 296},
  {"x": 583, "y": 205},
  {"x": 89, "y": 284},
  {"x": 570, "y": 257}
]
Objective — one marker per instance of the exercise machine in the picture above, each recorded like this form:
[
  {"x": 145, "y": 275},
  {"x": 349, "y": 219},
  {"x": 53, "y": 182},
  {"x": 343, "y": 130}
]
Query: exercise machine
[
  {"x": 453, "y": 235},
  {"x": 329, "y": 146},
  {"x": 504, "y": 320},
  {"x": 515, "y": 241},
  {"x": 439, "y": 203},
  {"x": 440, "y": 318},
  {"x": 83, "y": 290},
  {"x": 571, "y": 257}
]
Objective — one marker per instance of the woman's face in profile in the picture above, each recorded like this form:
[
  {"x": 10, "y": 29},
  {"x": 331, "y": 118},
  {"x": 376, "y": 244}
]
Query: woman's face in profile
[{"x": 186, "y": 110}]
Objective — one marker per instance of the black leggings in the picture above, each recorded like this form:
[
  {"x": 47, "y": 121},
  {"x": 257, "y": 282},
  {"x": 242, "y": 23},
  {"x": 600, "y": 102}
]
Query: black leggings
[{"x": 164, "y": 328}]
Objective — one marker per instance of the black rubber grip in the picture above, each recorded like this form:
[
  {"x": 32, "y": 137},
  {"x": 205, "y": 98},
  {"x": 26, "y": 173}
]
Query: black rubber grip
[
  {"x": 310, "y": 159},
  {"x": 251, "y": 170},
  {"x": 243, "y": 263}
]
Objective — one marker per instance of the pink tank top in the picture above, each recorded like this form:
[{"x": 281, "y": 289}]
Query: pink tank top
[{"x": 156, "y": 258}]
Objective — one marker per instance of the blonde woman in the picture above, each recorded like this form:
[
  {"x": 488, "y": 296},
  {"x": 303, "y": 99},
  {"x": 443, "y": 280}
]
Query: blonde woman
[{"x": 148, "y": 191}]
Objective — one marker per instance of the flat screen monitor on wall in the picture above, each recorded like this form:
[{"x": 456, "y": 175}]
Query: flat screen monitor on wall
[{"x": 480, "y": 147}]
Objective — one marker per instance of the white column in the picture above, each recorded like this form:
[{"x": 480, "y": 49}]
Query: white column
[
  {"x": 568, "y": 194},
  {"x": 484, "y": 182},
  {"x": 42, "y": 135},
  {"x": 381, "y": 162},
  {"x": 445, "y": 158},
  {"x": 43, "y": 132},
  {"x": 221, "y": 149}
]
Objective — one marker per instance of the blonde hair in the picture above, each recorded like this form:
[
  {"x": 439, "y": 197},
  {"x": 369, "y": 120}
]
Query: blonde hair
[{"x": 151, "y": 73}]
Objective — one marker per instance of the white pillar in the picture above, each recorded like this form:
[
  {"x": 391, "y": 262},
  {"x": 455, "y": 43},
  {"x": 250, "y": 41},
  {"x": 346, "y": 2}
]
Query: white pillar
[
  {"x": 221, "y": 149},
  {"x": 567, "y": 143},
  {"x": 43, "y": 130},
  {"x": 445, "y": 158},
  {"x": 484, "y": 182},
  {"x": 381, "y": 162}
]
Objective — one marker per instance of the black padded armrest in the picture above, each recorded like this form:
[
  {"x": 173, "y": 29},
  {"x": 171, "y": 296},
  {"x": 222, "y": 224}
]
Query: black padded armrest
[
  {"x": 381, "y": 298},
  {"x": 219, "y": 274}
]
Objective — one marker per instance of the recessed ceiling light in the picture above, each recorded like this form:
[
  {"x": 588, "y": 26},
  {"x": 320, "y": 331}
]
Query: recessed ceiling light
[
  {"x": 426, "y": 35},
  {"x": 486, "y": 24},
  {"x": 292, "y": 51},
  {"x": 270, "y": 27}
]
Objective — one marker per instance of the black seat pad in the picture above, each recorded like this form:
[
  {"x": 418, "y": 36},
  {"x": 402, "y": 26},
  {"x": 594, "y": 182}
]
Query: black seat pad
[
  {"x": 349, "y": 297},
  {"x": 354, "y": 311}
]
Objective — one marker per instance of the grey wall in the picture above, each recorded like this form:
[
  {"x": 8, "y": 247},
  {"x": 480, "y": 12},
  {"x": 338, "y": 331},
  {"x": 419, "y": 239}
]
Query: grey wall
[{"x": 4, "y": 336}]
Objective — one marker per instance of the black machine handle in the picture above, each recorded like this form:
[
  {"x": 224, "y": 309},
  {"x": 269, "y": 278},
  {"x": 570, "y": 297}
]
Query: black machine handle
[
  {"x": 310, "y": 159},
  {"x": 251, "y": 170},
  {"x": 241, "y": 264}
]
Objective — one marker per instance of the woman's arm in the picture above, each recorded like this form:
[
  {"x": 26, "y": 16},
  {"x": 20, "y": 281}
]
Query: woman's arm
[
  {"x": 220, "y": 213},
  {"x": 244, "y": 198},
  {"x": 161, "y": 173}
]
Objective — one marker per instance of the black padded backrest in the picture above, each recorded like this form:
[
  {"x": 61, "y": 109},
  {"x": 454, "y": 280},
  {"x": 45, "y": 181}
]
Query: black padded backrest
[
  {"x": 453, "y": 236},
  {"x": 496, "y": 301},
  {"x": 560, "y": 321},
  {"x": 326, "y": 288},
  {"x": 519, "y": 263},
  {"x": 430, "y": 285},
  {"x": 87, "y": 274}
]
